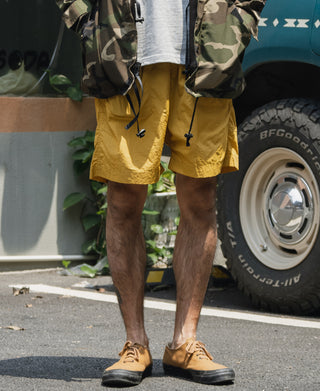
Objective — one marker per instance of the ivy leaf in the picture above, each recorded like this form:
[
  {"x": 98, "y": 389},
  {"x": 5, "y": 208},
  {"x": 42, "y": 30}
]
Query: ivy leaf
[
  {"x": 89, "y": 136},
  {"x": 74, "y": 93},
  {"x": 90, "y": 221},
  {"x": 80, "y": 167},
  {"x": 102, "y": 190},
  {"x": 150, "y": 212},
  {"x": 153, "y": 257},
  {"x": 103, "y": 208},
  {"x": 83, "y": 154},
  {"x": 88, "y": 246},
  {"x": 73, "y": 199},
  {"x": 151, "y": 243},
  {"x": 66, "y": 264},
  {"x": 158, "y": 229},
  {"x": 60, "y": 80},
  {"x": 77, "y": 142},
  {"x": 95, "y": 186}
]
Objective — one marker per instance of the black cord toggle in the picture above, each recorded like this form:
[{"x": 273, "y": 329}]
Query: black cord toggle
[
  {"x": 188, "y": 136},
  {"x": 141, "y": 133}
]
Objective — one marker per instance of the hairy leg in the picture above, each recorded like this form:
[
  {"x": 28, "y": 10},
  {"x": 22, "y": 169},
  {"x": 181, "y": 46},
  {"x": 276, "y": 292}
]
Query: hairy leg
[
  {"x": 194, "y": 251},
  {"x": 127, "y": 255}
]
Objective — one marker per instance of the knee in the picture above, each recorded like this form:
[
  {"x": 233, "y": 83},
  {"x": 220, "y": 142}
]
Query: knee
[
  {"x": 126, "y": 200},
  {"x": 197, "y": 198}
]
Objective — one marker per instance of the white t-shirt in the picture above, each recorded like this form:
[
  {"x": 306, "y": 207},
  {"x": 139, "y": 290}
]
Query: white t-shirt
[{"x": 162, "y": 35}]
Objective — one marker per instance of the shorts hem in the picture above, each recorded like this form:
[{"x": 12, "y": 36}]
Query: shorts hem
[
  {"x": 203, "y": 172},
  {"x": 132, "y": 178}
]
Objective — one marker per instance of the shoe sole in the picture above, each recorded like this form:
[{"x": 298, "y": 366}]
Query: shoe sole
[
  {"x": 218, "y": 376},
  {"x": 122, "y": 377}
]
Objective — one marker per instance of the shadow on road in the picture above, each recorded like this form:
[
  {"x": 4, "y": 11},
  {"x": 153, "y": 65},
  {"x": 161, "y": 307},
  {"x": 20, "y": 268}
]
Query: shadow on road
[
  {"x": 55, "y": 367},
  {"x": 72, "y": 368}
]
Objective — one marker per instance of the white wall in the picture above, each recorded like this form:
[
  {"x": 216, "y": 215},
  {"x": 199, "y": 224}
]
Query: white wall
[{"x": 35, "y": 176}]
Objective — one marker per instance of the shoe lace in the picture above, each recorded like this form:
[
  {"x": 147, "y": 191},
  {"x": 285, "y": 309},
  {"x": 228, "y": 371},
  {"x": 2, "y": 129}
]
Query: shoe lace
[
  {"x": 130, "y": 351},
  {"x": 198, "y": 348}
]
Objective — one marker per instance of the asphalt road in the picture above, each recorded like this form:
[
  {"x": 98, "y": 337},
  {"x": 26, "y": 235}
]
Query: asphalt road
[{"x": 55, "y": 341}]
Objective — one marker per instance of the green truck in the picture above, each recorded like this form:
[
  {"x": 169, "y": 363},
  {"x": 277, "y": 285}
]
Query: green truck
[{"x": 269, "y": 211}]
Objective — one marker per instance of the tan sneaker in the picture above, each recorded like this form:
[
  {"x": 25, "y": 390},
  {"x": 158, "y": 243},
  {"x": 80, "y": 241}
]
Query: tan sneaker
[
  {"x": 135, "y": 364},
  {"x": 192, "y": 360}
]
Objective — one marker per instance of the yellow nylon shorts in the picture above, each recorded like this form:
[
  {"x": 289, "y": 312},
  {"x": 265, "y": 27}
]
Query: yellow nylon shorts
[{"x": 166, "y": 113}]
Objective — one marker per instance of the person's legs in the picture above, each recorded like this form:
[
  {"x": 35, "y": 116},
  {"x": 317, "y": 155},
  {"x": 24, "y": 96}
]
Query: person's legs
[
  {"x": 192, "y": 262},
  {"x": 194, "y": 251},
  {"x": 127, "y": 261},
  {"x": 127, "y": 255}
]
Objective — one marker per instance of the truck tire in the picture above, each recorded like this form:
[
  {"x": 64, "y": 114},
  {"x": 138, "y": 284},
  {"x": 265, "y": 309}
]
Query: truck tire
[{"x": 269, "y": 211}]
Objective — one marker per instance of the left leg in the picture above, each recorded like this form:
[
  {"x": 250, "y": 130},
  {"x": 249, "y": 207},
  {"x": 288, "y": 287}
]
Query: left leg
[
  {"x": 212, "y": 150},
  {"x": 192, "y": 262},
  {"x": 194, "y": 251}
]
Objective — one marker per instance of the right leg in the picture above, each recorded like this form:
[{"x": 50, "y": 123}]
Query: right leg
[
  {"x": 127, "y": 255},
  {"x": 119, "y": 157},
  {"x": 127, "y": 260}
]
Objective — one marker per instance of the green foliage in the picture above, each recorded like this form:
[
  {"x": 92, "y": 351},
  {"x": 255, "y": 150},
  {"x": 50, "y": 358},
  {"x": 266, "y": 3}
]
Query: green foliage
[
  {"x": 66, "y": 264},
  {"x": 73, "y": 199},
  {"x": 63, "y": 85},
  {"x": 89, "y": 271},
  {"x": 94, "y": 205},
  {"x": 165, "y": 183},
  {"x": 157, "y": 254},
  {"x": 90, "y": 221},
  {"x": 150, "y": 212}
]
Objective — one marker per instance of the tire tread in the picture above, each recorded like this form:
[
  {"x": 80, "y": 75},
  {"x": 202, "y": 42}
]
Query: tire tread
[{"x": 295, "y": 112}]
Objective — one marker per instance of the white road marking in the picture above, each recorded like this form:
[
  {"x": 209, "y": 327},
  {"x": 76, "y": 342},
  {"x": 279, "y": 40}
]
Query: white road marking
[
  {"x": 161, "y": 305},
  {"x": 31, "y": 271}
]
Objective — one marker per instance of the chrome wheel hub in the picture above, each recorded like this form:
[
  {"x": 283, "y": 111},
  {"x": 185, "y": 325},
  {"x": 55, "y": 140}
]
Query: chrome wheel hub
[
  {"x": 279, "y": 208},
  {"x": 290, "y": 208}
]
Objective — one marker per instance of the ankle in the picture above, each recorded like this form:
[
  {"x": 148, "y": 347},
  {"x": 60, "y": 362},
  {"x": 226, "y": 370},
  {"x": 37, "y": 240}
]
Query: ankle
[
  {"x": 141, "y": 340},
  {"x": 179, "y": 341}
]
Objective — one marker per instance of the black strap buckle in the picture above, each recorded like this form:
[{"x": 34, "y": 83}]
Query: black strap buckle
[{"x": 137, "y": 13}]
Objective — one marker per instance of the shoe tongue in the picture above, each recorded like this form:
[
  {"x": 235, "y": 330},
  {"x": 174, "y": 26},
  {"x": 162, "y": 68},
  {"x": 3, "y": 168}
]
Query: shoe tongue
[
  {"x": 128, "y": 346},
  {"x": 201, "y": 352},
  {"x": 198, "y": 347},
  {"x": 131, "y": 354}
]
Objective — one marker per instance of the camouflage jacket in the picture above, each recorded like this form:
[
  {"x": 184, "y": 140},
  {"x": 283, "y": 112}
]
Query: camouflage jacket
[{"x": 219, "y": 32}]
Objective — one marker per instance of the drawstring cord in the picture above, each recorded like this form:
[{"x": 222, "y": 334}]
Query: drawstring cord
[
  {"x": 189, "y": 135},
  {"x": 142, "y": 132}
]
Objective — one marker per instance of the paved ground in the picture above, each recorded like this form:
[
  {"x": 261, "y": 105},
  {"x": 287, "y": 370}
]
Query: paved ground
[{"x": 57, "y": 341}]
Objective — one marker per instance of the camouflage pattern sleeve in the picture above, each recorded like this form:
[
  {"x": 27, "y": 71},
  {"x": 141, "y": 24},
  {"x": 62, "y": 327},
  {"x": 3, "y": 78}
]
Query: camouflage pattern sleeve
[
  {"x": 74, "y": 10},
  {"x": 250, "y": 9}
]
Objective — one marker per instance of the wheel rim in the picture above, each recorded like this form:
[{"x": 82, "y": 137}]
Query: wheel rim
[{"x": 279, "y": 208}]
